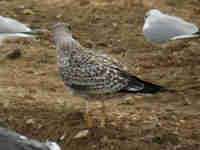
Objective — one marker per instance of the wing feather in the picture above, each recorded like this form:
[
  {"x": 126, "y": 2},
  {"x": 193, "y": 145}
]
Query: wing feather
[{"x": 93, "y": 73}]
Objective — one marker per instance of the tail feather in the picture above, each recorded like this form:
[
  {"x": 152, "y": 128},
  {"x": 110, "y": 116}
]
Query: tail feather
[
  {"x": 197, "y": 33},
  {"x": 180, "y": 37},
  {"x": 35, "y": 27},
  {"x": 20, "y": 34},
  {"x": 192, "y": 36},
  {"x": 145, "y": 87}
]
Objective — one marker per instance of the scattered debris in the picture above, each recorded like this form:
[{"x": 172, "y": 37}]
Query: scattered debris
[
  {"x": 62, "y": 137},
  {"x": 28, "y": 12},
  {"x": 81, "y": 134},
  {"x": 30, "y": 121},
  {"x": 14, "y": 54}
]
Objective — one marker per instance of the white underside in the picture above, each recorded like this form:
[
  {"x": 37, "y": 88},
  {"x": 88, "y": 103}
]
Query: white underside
[
  {"x": 5, "y": 35},
  {"x": 146, "y": 26},
  {"x": 52, "y": 145}
]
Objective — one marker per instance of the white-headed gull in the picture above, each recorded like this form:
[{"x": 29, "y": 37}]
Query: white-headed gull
[{"x": 159, "y": 28}]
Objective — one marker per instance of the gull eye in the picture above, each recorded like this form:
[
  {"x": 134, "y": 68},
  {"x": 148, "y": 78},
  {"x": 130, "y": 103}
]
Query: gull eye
[
  {"x": 69, "y": 27},
  {"x": 145, "y": 17}
]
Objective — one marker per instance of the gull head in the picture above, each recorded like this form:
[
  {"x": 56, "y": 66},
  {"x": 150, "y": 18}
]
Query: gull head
[
  {"x": 153, "y": 13},
  {"x": 52, "y": 145},
  {"x": 60, "y": 27}
]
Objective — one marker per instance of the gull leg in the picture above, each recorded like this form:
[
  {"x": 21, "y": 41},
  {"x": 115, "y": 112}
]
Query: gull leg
[
  {"x": 88, "y": 116},
  {"x": 103, "y": 115}
]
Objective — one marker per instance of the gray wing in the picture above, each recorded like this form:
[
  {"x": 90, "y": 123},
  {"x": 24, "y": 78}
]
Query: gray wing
[
  {"x": 8, "y": 25},
  {"x": 94, "y": 74},
  {"x": 164, "y": 28},
  {"x": 10, "y": 140},
  {"x": 31, "y": 145}
]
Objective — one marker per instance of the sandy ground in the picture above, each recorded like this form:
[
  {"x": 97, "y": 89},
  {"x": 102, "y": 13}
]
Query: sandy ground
[{"x": 34, "y": 101}]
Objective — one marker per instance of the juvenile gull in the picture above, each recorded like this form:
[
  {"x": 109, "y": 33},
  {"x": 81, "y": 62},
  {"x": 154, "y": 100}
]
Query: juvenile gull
[
  {"x": 159, "y": 28},
  {"x": 92, "y": 75},
  {"x": 10, "y": 140}
]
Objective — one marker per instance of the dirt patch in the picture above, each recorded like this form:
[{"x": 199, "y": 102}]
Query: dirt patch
[{"x": 34, "y": 101}]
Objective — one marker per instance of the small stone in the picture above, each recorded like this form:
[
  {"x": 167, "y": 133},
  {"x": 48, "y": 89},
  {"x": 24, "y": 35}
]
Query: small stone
[
  {"x": 104, "y": 139},
  {"x": 6, "y": 104},
  {"x": 182, "y": 121},
  {"x": 187, "y": 101},
  {"x": 10, "y": 118},
  {"x": 28, "y": 12},
  {"x": 59, "y": 16},
  {"x": 81, "y": 134},
  {"x": 20, "y": 6},
  {"x": 40, "y": 126},
  {"x": 30, "y": 121},
  {"x": 62, "y": 137},
  {"x": 114, "y": 24},
  {"x": 16, "y": 53},
  {"x": 128, "y": 101}
]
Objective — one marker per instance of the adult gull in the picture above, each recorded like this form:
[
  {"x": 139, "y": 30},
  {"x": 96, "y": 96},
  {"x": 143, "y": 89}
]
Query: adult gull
[{"x": 159, "y": 28}]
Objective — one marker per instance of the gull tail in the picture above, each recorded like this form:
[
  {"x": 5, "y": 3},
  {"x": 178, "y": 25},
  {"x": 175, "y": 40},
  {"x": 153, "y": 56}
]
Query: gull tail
[
  {"x": 136, "y": 85},
  {"x": 23, "y": 34},
  {"x": 197, "y": 33},
  {"x": 192, "y": 36},
  {"x": 20, "y": 34},
  {"x": 35, "y": 27}
]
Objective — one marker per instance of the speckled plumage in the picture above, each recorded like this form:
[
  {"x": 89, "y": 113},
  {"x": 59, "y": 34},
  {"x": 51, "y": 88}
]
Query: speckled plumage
[
  {"x": 93, "y": 75},
  {"x": 85, "y": 71}
]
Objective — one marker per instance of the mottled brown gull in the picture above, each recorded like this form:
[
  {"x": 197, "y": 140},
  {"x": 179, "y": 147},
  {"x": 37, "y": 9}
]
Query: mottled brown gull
[{"x": 93, "y": 75}]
